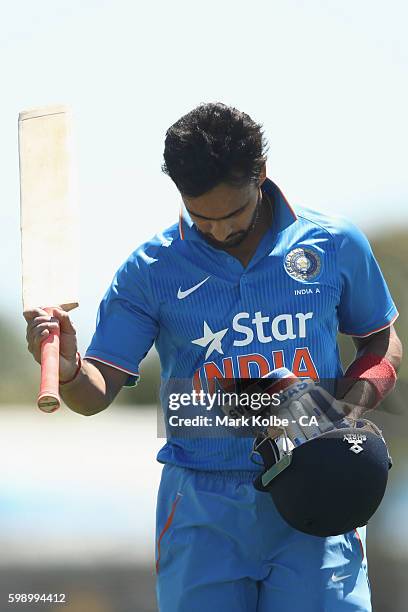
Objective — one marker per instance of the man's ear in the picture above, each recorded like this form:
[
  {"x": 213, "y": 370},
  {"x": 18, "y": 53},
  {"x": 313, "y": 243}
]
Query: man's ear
[{"x": 262, "y": 174}]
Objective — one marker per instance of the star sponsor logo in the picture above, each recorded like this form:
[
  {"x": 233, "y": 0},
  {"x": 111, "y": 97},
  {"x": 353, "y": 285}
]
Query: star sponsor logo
[
  {"x": 211, "y": 340},
  {"x": 264, "y": 329}
]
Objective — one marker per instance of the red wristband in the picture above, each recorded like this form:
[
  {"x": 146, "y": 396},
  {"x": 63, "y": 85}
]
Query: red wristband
[
  {"x": 76, "y": 371},
  {"x": 377, "y": 370}
]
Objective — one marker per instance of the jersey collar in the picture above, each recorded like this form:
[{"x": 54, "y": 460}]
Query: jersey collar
[{"x": 284, "y": 215}]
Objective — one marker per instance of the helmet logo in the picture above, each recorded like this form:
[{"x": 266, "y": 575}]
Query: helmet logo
[{"x": 355, "y": 440}]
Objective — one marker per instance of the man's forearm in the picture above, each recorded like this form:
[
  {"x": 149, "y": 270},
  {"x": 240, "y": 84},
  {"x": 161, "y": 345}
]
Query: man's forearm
[
  {"x": 386, "y": 345},
  {"x": 362, "y": 395},
  {"x": 87, "y": 394}
]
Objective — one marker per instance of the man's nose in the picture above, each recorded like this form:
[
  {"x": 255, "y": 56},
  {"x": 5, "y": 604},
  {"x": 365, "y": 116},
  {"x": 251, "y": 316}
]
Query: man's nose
[{"x": 220, "y": 231}]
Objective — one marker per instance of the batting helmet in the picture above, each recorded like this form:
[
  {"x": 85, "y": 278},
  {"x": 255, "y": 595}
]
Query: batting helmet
[{"x": 330, "y": 484}]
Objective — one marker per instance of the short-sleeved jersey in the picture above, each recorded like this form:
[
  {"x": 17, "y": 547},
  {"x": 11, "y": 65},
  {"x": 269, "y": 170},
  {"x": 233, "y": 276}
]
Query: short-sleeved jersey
[{"x": 210, "y": 317}]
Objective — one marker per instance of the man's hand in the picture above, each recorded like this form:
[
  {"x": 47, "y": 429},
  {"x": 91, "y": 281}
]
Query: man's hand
[
  {"x": 96, "y": 385},
  {"x": 308, "y": 408},
  {"x": 360, "y": 398},
  {"x": 361, "y": 395},
  {"x": 40, "y": 324}
]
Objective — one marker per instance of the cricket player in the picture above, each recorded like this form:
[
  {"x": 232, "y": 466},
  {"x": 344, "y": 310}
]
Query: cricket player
[{"x": 241, "y": 285}]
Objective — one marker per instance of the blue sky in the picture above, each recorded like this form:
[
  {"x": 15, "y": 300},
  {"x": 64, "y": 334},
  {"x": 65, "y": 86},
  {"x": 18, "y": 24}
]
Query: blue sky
[{"x": 328, "y": 80}]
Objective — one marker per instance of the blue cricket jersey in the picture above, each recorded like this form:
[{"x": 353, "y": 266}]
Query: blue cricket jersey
[{"x": 312, "y": 276}]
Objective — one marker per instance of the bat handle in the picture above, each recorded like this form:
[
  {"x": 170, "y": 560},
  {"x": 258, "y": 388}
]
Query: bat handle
[{"x": 48, "y": 398}]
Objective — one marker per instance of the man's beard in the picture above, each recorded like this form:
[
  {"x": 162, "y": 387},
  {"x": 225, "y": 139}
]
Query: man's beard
[{"x": 237, "y": 238}]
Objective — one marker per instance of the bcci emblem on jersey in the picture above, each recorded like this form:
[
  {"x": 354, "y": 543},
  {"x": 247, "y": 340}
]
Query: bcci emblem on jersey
[{"x": 303, "y": 264}]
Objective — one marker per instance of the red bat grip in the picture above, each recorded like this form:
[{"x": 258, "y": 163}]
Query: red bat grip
[{"x": 48, "y": 397}]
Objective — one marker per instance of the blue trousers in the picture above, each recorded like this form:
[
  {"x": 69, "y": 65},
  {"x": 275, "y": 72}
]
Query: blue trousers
[{"x": 222, "y": 546}]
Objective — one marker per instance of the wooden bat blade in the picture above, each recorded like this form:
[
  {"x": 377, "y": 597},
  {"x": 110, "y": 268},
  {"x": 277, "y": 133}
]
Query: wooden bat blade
[
  {"x": 49, "y": 215},
  {"x": 49, "y": 228}
]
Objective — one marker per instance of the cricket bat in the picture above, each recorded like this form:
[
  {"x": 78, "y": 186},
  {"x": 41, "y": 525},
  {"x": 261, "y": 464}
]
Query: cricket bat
[{"x": 49, "y": 228}]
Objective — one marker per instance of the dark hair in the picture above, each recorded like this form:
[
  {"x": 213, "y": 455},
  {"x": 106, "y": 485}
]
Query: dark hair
[{"x": 214, "y": 143}]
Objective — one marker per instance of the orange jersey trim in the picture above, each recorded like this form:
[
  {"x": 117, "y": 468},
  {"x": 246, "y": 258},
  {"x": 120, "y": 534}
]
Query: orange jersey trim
[
  {"x": 374, "y": 330},
  {"x": 360, "y": 542},
  {"x": 110, "y": 363},
  {"x": 166, "y": 527}
]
